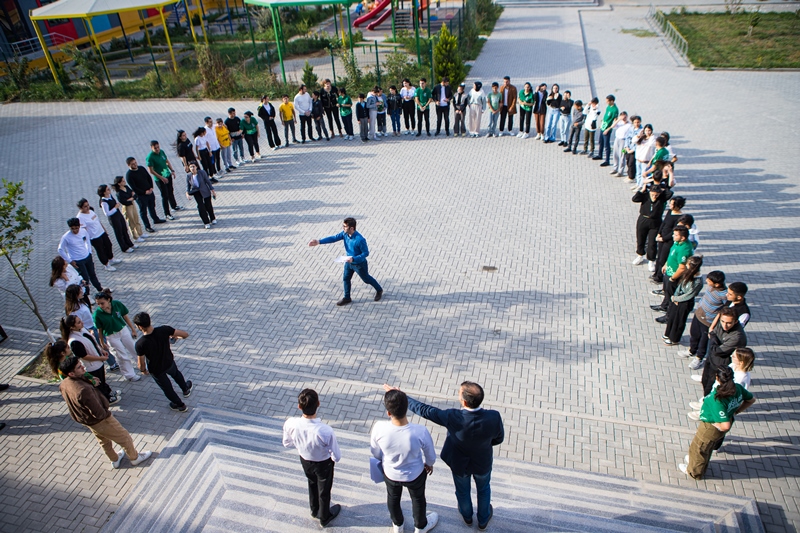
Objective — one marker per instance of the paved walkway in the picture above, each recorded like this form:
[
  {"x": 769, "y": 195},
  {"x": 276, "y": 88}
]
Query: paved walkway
[{"x": 560, "y": 334}]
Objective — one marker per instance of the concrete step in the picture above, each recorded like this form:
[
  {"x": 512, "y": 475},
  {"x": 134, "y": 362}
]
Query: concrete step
[{"x": 228, "y": 471}]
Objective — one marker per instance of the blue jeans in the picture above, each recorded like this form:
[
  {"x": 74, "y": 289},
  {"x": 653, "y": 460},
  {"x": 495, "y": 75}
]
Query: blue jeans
[
  {"x": 605, "y": 145},
  {"x": 564, "y": 124},
  {"x": 463, "y": 487},
  {"x": 493, "y": 123},
  {"x": 363, "y": 273},
  {"x": 641, "y": 166},
  {"x": 396, "y": 120},
  {"x": 238, "y": 147},
  {"x": 552, "y": 125}
]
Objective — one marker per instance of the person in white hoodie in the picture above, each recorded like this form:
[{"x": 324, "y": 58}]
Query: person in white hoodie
[
  {"x": 476, "y": 107},
  {"x": 302, "y": 106},
  {"x": 592, "y": 113}
]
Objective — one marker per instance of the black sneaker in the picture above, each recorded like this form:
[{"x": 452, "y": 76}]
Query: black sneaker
[
  {"x": 180, "y": 408},
  {"x": 335, "y": 510},
  {"x": 149, "y": 230},
  {"x": 491, "y": 514},
  {"x": 188, "y": 391},
  {"x": 114, "y": 368},
  {"x": 114, "y": 399},
  {"x": 343, "y": 301},
  {"x": 213, "y": 180},
  {"x": 378, "y": 296},
  {"x": 418, "y": 134},
  {"x": 160, "y": 221}
]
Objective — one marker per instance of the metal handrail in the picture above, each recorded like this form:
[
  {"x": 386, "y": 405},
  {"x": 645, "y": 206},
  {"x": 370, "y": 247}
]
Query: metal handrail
[
  {"x": 669, "y": 30},
  {"x": 31, "y": 46}
]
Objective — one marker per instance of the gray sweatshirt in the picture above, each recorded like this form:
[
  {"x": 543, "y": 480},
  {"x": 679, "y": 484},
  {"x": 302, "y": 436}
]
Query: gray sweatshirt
[{"x": 577, "y": 116}]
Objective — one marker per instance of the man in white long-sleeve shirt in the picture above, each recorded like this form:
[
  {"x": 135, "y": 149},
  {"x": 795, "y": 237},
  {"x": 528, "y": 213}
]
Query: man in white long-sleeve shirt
[
  {"x": 407, "y": 453},
  {"x": 76, "y": 249},
  {"x": 302, "y": 106},
  {"x": 319, "y": 451}
]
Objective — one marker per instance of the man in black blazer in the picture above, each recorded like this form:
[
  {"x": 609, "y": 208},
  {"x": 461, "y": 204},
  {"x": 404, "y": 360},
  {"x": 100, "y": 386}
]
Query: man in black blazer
[
  {"x": 471, "y": 433},
  {"x": 442, "y": 96},
  {"x": 266, "y": 112}
]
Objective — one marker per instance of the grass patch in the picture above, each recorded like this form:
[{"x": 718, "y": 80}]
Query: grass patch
[
  {"x": 39, "y": 369},
  {"x": 638, "y": 32},
  {"x": 719, "y": 40}
]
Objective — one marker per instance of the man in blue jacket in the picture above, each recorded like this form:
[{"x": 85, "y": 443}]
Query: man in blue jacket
[
  {"x": 356, "y": 261},
  {"x": 471, "y": 433}
]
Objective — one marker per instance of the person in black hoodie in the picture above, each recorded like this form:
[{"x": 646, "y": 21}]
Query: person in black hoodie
[
  {"x": 664, "y": 237},
  {"x": 329, "y": 97},
  {"x": 442, "y": 95},
  {"x": 459, "y": 110},
  {"x": 266, "y": 112},
  {"x": 316, "y": 114},
  {"x": 650, "y": 212},
  {"x": 142, "y": 184},
  {"x": 362, "y": 116}
]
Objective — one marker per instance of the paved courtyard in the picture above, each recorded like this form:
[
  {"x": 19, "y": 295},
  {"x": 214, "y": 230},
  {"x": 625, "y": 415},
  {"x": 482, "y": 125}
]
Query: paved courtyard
[{"x": 560, "y": 335}]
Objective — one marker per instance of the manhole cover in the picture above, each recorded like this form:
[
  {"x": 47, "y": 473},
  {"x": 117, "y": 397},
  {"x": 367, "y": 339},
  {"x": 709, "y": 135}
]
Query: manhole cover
[{"x": 487, "y": 268}]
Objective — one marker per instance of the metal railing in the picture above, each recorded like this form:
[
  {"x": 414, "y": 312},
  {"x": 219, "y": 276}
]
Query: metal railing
[
  {"x": 656, "y": 16},
  {"x": 32, "y": 46}
]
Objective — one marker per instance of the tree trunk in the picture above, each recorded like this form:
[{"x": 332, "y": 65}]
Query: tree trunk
[{"x": 32, "y": 306}]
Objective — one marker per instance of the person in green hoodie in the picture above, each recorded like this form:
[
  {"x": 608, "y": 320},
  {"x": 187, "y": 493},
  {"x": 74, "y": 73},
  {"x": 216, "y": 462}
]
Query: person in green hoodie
[{"x": 610, "y": 116}]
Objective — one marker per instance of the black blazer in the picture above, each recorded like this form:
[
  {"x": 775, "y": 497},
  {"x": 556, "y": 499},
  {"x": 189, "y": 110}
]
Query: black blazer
[
  {"x": 265, "y": 114},
  {"x": 437, "y": 94},
  {"x": 470, "y": 436}
]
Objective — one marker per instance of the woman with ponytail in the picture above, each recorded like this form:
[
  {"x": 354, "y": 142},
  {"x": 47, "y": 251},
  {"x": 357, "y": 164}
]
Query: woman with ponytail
[
  {"x": 85, "y": 347},
  {"x": 727, "y": 399},
  {"x": 687, "y": 287}
]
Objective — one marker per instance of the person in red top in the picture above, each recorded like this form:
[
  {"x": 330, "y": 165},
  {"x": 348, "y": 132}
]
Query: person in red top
[{"x": 88, "y": 406}]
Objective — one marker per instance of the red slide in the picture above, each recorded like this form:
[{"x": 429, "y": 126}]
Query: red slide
[
  {"x": 363, "y": 18},
  {"x": 377, "y": 22}
]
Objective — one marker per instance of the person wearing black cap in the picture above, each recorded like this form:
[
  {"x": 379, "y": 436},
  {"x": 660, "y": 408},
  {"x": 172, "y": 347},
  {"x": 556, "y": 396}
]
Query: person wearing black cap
[{"x": 460, "y": 100}]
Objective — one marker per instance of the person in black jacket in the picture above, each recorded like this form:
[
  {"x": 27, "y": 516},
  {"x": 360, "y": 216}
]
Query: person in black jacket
[
  {"x": 142, "y": 184},
  {"x": 459, "y": 111},
  {"x": 650, "y": 213},
  {"x": 266, "y": 112},
  {"x": 316, "y": 115},
  {"x": 362, "y": 116},
  {"x": 664, "y": 237},
  {"x": 471, "y": 434},
  {"x": 394, "y": 103},
  {"x": 329, "y": 96},
  {"x": 442, "y": 95}
]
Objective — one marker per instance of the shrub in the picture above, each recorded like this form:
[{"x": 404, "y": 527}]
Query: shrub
[
  {"x": 309, "y": 78},
  {"x": 214, "y": 74},
  {"x": 446, "y": 59}
]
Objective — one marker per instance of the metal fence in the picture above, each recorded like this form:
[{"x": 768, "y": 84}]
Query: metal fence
[{"x": 659, "y": 20}]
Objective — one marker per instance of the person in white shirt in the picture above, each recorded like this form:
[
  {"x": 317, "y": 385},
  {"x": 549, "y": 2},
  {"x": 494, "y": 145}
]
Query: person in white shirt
[
  {"x": 97, "y": 235},
  {"x": 408, "y": 92},
  {"x": 201, "y": 139},
  {"x": 213, "y": 143},
  {"x": 76, "y": 249},
  {"x": 319, "y": 451},
  {"x": 407, "y": 455},
  {"x": 620, "y": 128},
  {"x": 302, "y": 106},
  {"x": 592, "y": 113}
]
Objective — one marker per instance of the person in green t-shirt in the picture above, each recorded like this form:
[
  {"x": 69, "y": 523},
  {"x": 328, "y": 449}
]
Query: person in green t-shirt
[
  {"x": 250, "y": 129},
  {"x": 679, "y": 252},
  {"x": 606, "y": 127},
  {"x": 423, "y": 99},
  {"x": 116, "y": 332},
  {"x": 493, "y": 102},
  {"x": 163, "y": 173},
  {"x": 716, "y": 418},
  {"x": 345, "y": 104},
  {"x": 525, "y": 111}
]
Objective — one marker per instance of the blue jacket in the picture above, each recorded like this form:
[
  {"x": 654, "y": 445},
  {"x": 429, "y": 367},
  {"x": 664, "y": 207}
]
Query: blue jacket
[
  {"x": 355, "y": 246},
  {"x": 470, "y": 436}
]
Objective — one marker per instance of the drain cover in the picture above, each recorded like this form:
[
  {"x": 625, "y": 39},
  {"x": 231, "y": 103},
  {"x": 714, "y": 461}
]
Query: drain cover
[{"x": 487, "y": 268}]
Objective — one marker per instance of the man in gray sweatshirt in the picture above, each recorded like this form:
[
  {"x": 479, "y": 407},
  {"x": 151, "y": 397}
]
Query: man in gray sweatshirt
[{"x": 722, "y": 341}]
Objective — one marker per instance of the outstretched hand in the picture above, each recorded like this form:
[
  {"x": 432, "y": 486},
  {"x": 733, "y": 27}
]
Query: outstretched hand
[{"x": 315, "y": 242}]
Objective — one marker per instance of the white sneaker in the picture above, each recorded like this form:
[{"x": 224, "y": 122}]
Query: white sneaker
[
  {"x": 115, "y": 261},
  {"x": 135, "y": 246},
  {"x": 208, "y": 226},
  {"x": 258, "y": 156},
  {"x": 639, "y": 260},
  {"x": 683, "y": 468},
  {"x": 143, "y": 456},
  {"x": 129, "y": 250},
  {"x": 137, "y": 377},
  {"x": 525, "y": 135},
  {"x": 140, "y": 239},
  {"x": 651, "y": 266},
  {"x": 519, "y": 135},
  {"x": 433, "y": 519},
  {"x": 697, "y": 377},
  {"x": 110, "y": 268},
  {"x": 685, "y": 353},
  {"x": 214, "y": 222},
  {"x": 686, "y": 459},
  {"x": 696, "y": 406},
  {"x": 694, "y": 415},
  {"x": 396, "y": 528},
  {"x": 118, "y": 462}
]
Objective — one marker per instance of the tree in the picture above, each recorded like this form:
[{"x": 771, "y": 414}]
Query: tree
[
  {"x": 446, "y": 59},
  {"x": 309, "y": 78},
  {"x": 16, "y": 241}
]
